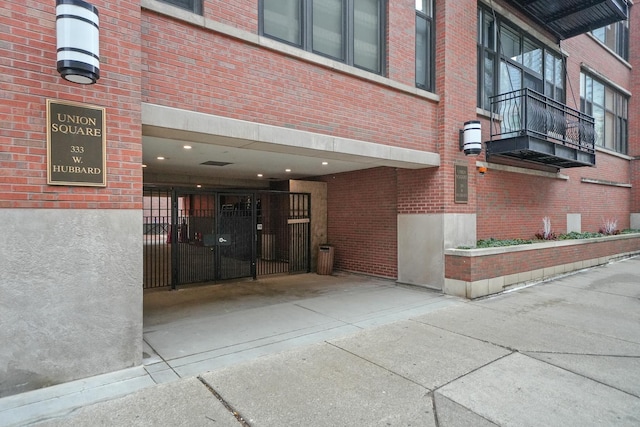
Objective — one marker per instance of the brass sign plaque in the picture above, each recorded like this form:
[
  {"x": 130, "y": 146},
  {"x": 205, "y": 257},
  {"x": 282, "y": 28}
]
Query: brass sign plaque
[
  {"x": 76, "y": 144},
  {"x": 461, "y": 184}
]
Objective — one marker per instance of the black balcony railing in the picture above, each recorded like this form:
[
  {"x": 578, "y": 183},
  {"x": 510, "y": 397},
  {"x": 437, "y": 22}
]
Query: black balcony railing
[{"x": 531, "y": 126}]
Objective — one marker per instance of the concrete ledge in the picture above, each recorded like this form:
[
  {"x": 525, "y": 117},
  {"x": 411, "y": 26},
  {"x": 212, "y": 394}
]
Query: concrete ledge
[
  {"x": 167, "y": 122},
  {"x": 475, "y": 273}
]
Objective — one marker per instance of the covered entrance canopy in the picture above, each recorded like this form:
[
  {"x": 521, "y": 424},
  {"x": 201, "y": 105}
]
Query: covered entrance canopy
[
  {"x": 205, "y": 173},
  {"x": 233, "y": 153}
]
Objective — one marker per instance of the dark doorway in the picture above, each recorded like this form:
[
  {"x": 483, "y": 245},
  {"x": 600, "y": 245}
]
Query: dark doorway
[{"x": 195, "y": 237}]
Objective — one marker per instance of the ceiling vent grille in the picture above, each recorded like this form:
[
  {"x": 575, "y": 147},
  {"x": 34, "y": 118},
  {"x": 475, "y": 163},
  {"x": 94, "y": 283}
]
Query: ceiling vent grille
[{"x": 214, "y": 163}]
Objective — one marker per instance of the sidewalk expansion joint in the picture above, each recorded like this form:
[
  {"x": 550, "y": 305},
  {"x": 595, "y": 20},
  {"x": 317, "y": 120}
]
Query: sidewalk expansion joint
[
  {"x": 581, "y": 374},
  {"x": 378, "y": 365},
  {"x": 511, "y": 349},
  {"x": 476, "y": 369},
  {"x": 226, "y": 404},
  {"x": 434, "y": 406},
  {"x": 432, "y": 395}
]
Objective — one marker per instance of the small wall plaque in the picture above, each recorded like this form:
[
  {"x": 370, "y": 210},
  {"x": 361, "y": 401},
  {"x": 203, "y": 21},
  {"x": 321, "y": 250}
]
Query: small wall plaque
[
  {"x": 461, "y": 184},
  {"x": 76, "y": 144}
]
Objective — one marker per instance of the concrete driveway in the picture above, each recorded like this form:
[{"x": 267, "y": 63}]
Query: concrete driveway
[
  {"x": 198, "y": 329},
  {"x": 561, "y": 353}
]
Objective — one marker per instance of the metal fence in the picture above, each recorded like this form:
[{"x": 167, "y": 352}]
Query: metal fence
[{"x": 194, "y": 237}]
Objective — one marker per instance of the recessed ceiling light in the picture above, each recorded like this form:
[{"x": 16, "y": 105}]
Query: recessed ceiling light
[
  {"x": 187, "y": 147},
  {"x": 199, "y": 185},
  {"x": 144, "y": 166},
  {"x": 160, "y": 158},
  {"x": 287, "y": 170},
  {"x": 325, "y": 163},
  {"x": 259, "y": 175}
]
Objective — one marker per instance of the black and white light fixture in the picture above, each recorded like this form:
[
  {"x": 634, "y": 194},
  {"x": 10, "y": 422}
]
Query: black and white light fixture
[
  {"x": 471, "y": 138},
  {"x": 78, "y": 40}
]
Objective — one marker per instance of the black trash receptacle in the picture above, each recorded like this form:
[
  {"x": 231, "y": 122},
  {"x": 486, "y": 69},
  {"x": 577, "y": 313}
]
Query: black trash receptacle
[{"x": 325, "y": 259}]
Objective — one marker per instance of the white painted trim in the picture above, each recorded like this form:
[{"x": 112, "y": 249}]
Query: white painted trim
[
  {"x": 613, "y": 153},
  {"x": 604, "y": 79},
  {"x": 524, "y": 171},
  {"x": 603, "y": 182}
]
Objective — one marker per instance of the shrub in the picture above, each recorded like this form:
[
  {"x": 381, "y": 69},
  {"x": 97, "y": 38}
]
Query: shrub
[
  {"x": 492, "y": 242},
  {"x": 547, "y": 233},
  {"x": 575, "y": 235},
  {"x": 609, "y": 227}
]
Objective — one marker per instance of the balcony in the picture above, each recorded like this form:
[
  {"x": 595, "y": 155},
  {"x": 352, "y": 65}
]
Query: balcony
[
  {"x": 528, "y": 126},
  {"x": 568, "y": 18}
]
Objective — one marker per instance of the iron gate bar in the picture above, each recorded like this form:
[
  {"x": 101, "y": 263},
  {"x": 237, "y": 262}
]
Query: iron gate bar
[
  {"x": 174, "y": 240},
  {"x": 236, "y": 218},
  {"x": 182, "y": 228},
  {"x": 157, "y": 224}
]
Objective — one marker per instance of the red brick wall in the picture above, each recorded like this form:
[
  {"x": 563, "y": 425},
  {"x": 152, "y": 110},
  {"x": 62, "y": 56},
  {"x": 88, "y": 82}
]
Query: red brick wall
[
  {"x": 634, "y": 110},
  {"x": 29, "y": 78},
  {"x": 473, "y": 268},
  {"x": 362, "y": 221},
  {"x": 456, "y": 70},
  {"x": 243, "y": 81},
  {"x": 635, "y": 182},
  {"x": 401, "y": 51},
  {"x": 241, "y": 14},
  {"x": 582, "y": 49},
  {"x": 420, "y": 191},
  {"x": 512, "y": 205}
]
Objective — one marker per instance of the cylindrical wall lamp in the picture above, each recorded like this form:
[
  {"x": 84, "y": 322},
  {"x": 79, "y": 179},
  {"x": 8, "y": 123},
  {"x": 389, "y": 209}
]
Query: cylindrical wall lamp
[
  {"x": 78, "y": 39},
  {"x": 471, "y": 138}
]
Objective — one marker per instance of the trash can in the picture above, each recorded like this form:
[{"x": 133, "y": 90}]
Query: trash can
[{"x": 325, "y": 259}]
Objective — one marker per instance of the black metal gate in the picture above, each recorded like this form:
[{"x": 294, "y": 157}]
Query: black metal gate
[{"x": 195, "y": 237}]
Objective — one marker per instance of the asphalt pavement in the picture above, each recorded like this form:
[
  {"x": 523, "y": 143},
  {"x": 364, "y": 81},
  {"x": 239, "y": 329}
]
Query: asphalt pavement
[{"x": 564, "y": 352}]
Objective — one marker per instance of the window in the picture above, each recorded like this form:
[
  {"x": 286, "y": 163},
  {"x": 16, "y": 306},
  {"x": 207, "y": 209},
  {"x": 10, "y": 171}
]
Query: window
[
  {"x": 194, "y": 6},
  {"x": 615, "y": 37},
  {"x": 424, "y": 45},
  {"x": 510, "y": 59},
  {"x": 349, "y": 31},
  {"x": 609, "y": 109}
]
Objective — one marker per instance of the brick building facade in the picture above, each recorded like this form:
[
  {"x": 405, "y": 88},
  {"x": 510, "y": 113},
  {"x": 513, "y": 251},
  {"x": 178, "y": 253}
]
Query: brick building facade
[{"x": 339, "y": 86}]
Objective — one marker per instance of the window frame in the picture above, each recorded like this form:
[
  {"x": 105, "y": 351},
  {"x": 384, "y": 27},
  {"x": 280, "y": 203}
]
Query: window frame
[
  {"x": 490, "y": 32},
  {"x": 194, "y": 6},
  {"x": 348, "y": 33},
  {"x": 617, "y": 109},
  {"x": 429, "y": 69},
  {"x": 620, "y": 35}
]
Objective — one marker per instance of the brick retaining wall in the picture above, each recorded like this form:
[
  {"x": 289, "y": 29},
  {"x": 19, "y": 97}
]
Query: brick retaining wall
[{"x": 474, "y": 273}]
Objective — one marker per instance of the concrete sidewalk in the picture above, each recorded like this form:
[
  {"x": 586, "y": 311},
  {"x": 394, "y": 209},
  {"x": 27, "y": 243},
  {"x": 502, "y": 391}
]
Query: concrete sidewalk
[{"x": 561, "y": 353}]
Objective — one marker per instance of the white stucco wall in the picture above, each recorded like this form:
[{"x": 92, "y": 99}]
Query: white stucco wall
[{"x": 70, "y": 295}]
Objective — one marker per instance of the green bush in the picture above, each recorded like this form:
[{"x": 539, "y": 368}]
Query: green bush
[
  {"x": 575, "y": 235},
  {"x": 492, "y": 242}
]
